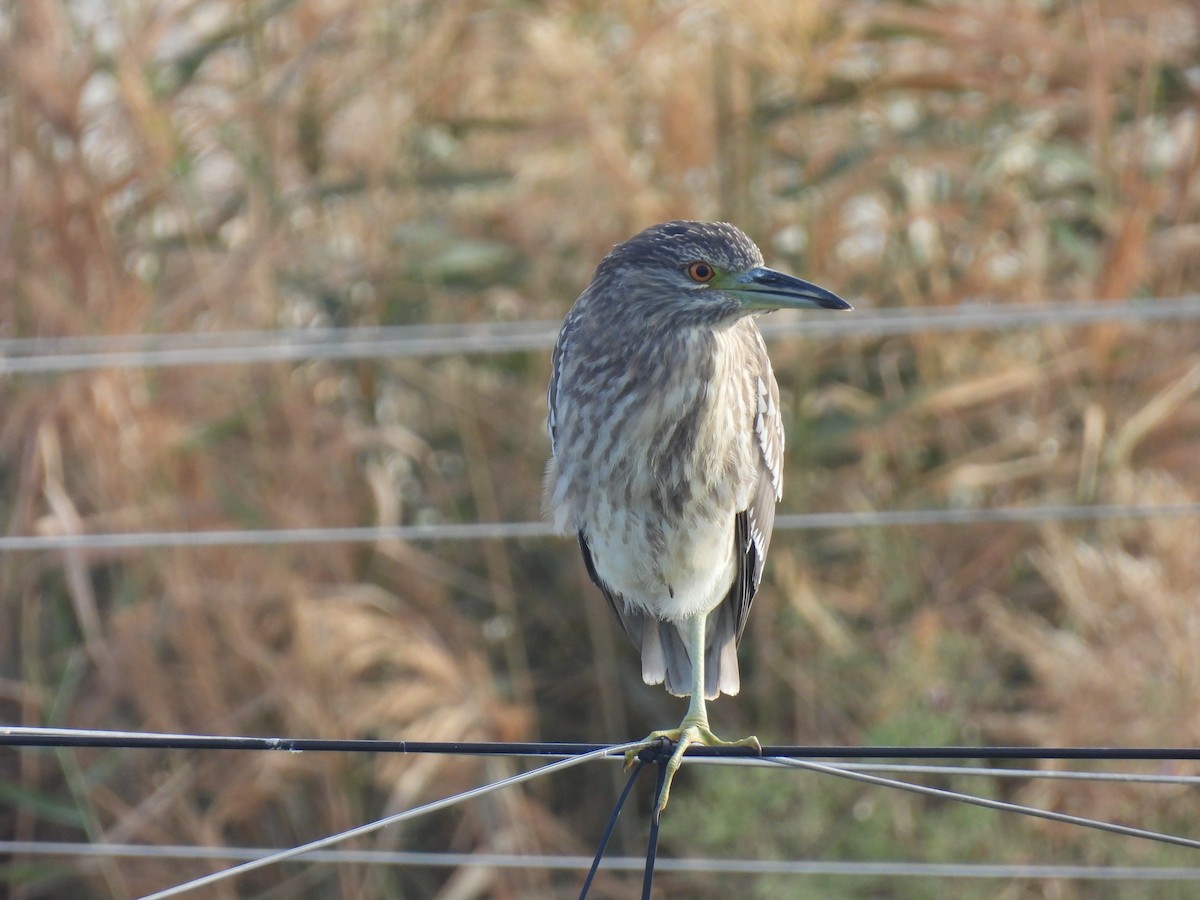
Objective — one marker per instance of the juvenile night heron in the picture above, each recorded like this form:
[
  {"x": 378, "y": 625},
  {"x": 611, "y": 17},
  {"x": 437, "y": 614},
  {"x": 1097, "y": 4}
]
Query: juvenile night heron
[{"x": 667, "y": 449}]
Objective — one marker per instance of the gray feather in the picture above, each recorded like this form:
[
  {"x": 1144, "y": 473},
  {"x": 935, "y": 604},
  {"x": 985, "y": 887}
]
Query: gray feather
[{"x": 667, "y": 442}]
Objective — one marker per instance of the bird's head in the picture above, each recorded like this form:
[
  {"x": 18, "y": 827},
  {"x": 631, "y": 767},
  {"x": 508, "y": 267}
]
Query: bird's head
[{"x": 702, "y": 273}]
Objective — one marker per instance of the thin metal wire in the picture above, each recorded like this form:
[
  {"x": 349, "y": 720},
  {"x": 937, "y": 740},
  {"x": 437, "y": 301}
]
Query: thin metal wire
[
  {"x": 480, "y": 531},
  {"x": 69, "y": 354},
  {"x": 413, "y": 813},
  {"x": 982, "y": 772},
  {"x": 454, "y": 337},
  {"x": 987, "y": 803},
  {"x": 276, "y": 536},
  {"x": 169, "y": 351},
  {"x": 552, "y": 862},
  {"x": 975, "y": 516}
]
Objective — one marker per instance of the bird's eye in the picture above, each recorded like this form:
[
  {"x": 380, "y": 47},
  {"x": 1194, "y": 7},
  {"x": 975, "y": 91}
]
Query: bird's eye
[{"x": 701, "y": 272}]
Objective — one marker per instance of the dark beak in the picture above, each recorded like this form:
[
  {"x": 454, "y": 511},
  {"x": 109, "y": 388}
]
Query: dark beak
[{"x": 764, "y": 289}]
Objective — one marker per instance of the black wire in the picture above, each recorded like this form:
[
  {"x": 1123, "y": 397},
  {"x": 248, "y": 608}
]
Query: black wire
[
  {"x": 135, "y": 741},
  {"x": 608, "y": 830},
  {"x": 652, "y": 841},
  {"x": 996, "y": 753},
  {"x": 17, "y": 736}
]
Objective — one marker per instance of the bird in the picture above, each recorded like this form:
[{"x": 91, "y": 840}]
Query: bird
[{"x": 667, "y": 451}]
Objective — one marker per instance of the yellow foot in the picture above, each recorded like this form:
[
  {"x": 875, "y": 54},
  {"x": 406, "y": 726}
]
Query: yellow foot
[{"x": 684, "y": 736}]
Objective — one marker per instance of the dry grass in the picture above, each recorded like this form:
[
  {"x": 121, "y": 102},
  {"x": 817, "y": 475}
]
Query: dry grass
[
  {"x": 212, "y": 165},
  {"x": 1115, "y": 666}
]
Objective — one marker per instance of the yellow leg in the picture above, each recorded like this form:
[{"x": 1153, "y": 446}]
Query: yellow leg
[{"x": 694, "y": 727}]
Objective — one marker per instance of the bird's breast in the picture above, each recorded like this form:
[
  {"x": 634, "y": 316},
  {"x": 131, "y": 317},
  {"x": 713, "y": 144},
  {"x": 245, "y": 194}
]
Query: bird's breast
[{"x": 653, "y": 468}]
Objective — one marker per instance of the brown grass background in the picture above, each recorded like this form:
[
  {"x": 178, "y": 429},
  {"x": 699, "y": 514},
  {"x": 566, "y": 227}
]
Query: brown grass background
[{"x": 204, "y": 165}]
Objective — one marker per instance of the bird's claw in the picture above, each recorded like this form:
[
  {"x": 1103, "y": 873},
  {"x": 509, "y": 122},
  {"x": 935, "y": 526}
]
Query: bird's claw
[
  {"x": 686, "y": 735},
  {"x": 652, "y": 748}
]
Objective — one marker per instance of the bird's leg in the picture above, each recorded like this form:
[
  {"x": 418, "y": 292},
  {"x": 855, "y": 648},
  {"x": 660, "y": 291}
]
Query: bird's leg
[{"x": 694, "y": 727}]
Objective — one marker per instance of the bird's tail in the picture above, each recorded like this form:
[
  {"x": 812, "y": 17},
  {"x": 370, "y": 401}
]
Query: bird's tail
[{"x": 665, "y": 658}]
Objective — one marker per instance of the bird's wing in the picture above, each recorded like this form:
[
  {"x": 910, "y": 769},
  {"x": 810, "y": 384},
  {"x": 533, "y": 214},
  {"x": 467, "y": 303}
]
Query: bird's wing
[
  {"x": 556, "y": 365},
  {"x": 755, "y": 523},
  {"x": 595, "y": 576},
  {"x": 752, "y": 536}
]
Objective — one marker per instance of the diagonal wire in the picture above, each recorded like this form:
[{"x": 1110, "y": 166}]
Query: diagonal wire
[
  {"x": 987, "y": 803},
  {"x": 981, "y": 771},
  {"x": 608, "y": 829},
  {"x": 652, "y": 840},
  {"x": 413, "y": 813},
  {"x": 1041, "y": 774}
]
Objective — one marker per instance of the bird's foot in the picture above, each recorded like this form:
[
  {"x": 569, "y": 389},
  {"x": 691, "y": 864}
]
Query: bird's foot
[{"x": 689, "y": 732}]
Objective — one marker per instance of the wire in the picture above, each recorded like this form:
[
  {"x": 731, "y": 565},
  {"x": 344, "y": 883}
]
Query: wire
[
  {"x": 36, "y": 736},
  {"x": 655, "y": 823},
  {"x": 225, "y": 348},
  {"x": 1000, "y": 805},
  {"x": 277, "y": 536},
  {"x": 78, "y": 353},
  {"x": 139, "y": 351},
  {"x": 988, "y": 772},
  {"x": 516, "y": 530},
  {"x": 22, "y": 736},
  {"x": 577, "y": 753},
  {"x": 608, "y": 829},
  {"x": 976, "y": 516},
  {"x": 552, "y": 862},
  {"x": 484, "y": 531},
  {"x": 413, "y": 813},
  {"x": 973, "y": 316},
  {"x": 500, "y": 336}
]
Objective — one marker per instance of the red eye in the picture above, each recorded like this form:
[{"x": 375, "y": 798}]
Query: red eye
[{"x": 701, "y": 272}]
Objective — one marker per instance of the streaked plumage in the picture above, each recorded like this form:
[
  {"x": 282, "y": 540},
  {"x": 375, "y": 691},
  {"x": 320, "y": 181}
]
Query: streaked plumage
[
  {"x": 667, "y": 442},
  {"x": 671, "y": 485}
]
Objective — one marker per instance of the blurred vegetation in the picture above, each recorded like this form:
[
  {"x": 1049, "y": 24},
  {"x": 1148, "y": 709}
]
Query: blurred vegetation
[{"x": 215, "y": 165}]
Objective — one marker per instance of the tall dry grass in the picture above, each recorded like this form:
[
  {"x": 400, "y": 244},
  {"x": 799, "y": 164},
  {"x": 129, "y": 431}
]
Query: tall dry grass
[{"x": 211, "y": 166}]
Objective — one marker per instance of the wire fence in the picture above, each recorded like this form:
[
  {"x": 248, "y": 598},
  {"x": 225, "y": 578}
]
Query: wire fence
[
  {"x": 570, "y": 755},
  {"x": 78, "y": 353},
  {"x": 47, "y": 356}
]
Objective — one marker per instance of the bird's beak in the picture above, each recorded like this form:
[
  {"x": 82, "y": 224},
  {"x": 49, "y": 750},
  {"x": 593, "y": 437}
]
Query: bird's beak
[{"x": 763, "y": 289}]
